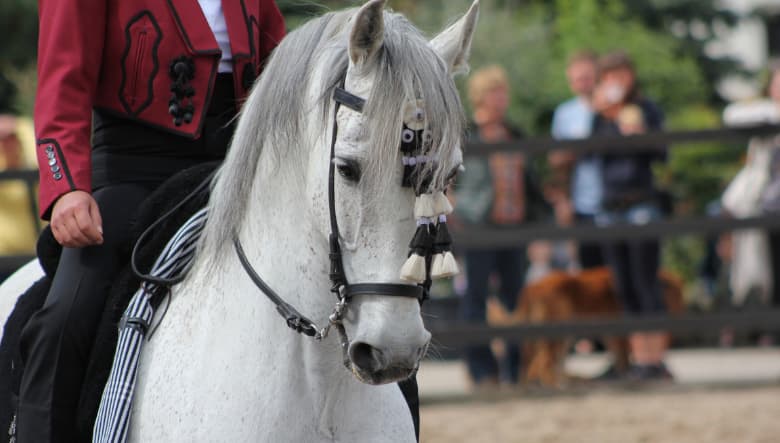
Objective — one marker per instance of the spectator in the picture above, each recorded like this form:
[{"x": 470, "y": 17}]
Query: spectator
[
  {"x": 573, "y": 119},
  {"x": 630, "y": 196},
  {"x": 498, "y": 190},
  {"x": 754, "y": 191}
]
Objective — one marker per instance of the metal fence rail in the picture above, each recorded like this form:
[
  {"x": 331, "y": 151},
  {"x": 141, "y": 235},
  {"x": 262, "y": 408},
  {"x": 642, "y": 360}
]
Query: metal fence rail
[
  {"x": 480, "y": 236},
  {"x": 459, "y": 335}
]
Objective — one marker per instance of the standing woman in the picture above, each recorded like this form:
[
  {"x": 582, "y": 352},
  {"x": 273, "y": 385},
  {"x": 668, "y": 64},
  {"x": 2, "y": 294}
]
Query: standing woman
[
  {"x": 129, "y": 93},
  {"x": 631, "y": 196},
  {"x": 497, "y": 190}
]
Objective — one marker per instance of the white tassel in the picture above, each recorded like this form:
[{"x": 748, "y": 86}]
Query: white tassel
[
  {"x": 423, "y": 206},
  {"x": 446, "y": 266},
  {"x": 413, "y": 269},
  {"x": 436, "y": 265},
  {"x": 442, "y": 205}
]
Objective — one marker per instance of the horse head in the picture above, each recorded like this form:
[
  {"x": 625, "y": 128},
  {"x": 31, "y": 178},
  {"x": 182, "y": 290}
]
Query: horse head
[
  {"x": 396, "y": 91},
  {"x": 409, "y": 93}
]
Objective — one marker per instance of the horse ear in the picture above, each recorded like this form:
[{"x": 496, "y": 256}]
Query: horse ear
[
  {"x": 367, "y": 32},
  {"x": 454, "y": 43}
]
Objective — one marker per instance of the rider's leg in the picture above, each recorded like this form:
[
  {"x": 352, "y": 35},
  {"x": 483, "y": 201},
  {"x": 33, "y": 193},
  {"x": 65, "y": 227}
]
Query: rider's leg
[{"x": 56, "y": 343}]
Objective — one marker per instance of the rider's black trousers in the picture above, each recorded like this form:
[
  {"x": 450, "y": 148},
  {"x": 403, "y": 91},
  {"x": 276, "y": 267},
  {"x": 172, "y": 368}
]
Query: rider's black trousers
[
  {"x": 129, "y": 161},
  {"x": 56, "y": 343}
]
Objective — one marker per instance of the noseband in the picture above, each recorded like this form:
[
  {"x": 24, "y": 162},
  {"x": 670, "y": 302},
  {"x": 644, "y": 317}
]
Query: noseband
[{"x": 343, "y": 290}]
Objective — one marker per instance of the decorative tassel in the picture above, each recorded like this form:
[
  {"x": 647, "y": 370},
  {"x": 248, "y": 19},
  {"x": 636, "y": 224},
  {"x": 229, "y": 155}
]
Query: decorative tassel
[
  {"x": 407, "y": 180},
  {"x": 423, "y": 206},
  {"x": 444, "y": 264},
  {"x": 448, "y": 267},
  {"x": 441, "y": 204},
  {"x": 414, "y": 269},
  {"x": 443, "y": 237},
  {"x": 436, "y": 265}
]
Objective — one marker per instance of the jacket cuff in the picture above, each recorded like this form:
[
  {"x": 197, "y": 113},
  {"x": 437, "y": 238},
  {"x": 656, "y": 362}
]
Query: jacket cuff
[{"x": 57, "y": 177}]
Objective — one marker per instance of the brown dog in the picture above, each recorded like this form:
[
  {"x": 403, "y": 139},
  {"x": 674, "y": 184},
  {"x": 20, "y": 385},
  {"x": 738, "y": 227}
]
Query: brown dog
[{"x": 560, "y": 296}]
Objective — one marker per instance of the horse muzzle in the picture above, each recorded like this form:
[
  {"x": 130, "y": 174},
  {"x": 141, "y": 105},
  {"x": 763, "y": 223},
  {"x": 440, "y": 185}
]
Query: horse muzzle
[{"x": 376, "y": 366}]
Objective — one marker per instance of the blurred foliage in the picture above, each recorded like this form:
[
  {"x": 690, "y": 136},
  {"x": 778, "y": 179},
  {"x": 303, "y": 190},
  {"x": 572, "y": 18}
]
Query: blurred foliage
[
  {"x": 19, "y": 21},
  {"x": 8, "y": 92},
  {"x": 697, "y": 172},
  {"x": 18, "y": 51}
]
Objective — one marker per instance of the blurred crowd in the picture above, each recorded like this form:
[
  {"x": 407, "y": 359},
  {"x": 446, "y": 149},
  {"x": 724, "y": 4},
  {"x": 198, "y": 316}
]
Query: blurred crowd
[{"x": 602, "y": 189}]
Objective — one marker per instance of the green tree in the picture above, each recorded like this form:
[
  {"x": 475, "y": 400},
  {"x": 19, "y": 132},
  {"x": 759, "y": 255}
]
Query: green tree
[
  {"x": 667, "y": 73},
  {"x": 19, "y": 22}
]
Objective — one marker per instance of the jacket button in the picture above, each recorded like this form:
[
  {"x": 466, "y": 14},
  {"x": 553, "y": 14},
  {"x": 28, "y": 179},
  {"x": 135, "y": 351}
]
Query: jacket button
[
  {"x": 57, "y": 176},
  {"x": 55, "y": 168},
  {"x": 50, "y": 148},
  {"x": 52, "y": 161},
  {"x": 50, "y": 155}
]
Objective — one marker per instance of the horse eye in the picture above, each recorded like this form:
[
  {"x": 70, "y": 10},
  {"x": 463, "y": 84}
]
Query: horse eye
[{"x": 349, "y": 170}]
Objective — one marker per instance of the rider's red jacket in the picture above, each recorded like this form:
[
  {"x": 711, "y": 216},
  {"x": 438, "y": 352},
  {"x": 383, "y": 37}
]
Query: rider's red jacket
[{"x": 117, "y": 56}]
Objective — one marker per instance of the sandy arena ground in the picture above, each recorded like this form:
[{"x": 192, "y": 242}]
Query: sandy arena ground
[
  {"x": 720, "y": 396},
  {"x": 744, "y": 415}
]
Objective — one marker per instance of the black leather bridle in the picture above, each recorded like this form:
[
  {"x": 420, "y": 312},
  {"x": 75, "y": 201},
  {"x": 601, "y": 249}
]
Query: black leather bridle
[{"x": 340, "y": 286}]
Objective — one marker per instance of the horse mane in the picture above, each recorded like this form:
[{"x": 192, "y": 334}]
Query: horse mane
[{"x": 272, "y": 120}]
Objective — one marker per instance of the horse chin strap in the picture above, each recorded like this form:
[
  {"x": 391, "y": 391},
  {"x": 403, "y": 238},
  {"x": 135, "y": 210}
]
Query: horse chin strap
[{"x": 343, "y": 290}]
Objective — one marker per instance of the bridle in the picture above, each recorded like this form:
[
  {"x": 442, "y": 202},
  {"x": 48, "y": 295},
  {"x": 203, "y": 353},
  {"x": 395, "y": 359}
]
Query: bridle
[{"x": 340, "y": 286}]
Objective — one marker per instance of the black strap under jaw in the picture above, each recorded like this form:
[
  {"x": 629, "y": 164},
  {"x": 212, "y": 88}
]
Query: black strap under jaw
[{"x": 384, "y": 289}]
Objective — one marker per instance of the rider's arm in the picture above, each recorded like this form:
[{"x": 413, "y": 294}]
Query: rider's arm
[{"x": 70, "y": 47}]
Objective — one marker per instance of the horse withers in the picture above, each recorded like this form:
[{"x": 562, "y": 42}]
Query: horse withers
[{"x": 221, "y": 365}]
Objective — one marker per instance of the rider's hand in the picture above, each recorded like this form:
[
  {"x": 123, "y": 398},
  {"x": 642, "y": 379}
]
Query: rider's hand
[{"x": 75, "y": 220}]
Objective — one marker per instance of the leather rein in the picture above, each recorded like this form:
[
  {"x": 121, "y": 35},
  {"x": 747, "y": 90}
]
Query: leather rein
[{"x": 343, "y": 290}]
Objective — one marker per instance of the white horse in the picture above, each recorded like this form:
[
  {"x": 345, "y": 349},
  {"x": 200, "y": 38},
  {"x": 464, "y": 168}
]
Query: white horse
[{"x": 223, "y": 366}]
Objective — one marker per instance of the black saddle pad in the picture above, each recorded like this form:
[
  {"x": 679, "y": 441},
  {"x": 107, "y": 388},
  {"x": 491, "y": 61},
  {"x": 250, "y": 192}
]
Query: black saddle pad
[{"x": 164, "y": 199}]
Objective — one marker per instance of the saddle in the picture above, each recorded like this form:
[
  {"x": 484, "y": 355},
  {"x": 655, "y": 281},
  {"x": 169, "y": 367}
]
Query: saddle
[{"x": 165, "y": 199}]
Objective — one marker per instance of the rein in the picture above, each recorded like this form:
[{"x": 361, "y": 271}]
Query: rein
[{"x": 340, "y": 287}]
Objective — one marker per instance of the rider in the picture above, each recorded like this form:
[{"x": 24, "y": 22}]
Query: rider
[{"x": 156, "y": 86}]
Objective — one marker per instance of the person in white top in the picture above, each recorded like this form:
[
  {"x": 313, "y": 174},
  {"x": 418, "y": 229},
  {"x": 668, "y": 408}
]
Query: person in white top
[{"x": 754, "y": 191}]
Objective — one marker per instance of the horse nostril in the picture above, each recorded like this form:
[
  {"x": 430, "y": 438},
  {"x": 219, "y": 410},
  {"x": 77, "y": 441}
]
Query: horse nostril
[
  {"x": 366, "y": 357},
  {"x": 421, "y": 351}
]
